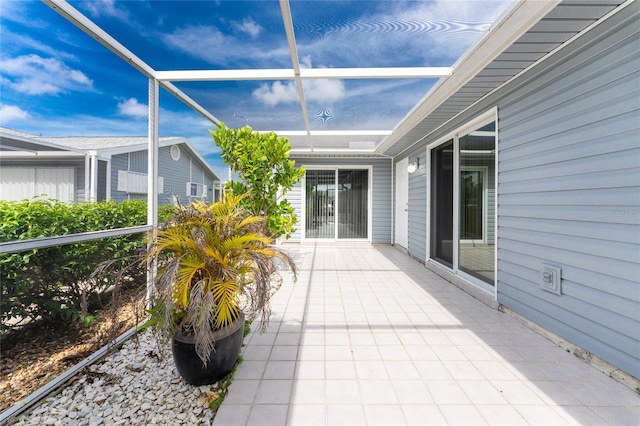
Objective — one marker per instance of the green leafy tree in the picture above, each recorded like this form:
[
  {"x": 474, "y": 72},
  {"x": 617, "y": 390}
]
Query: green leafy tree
[{"x": 261, "y": 161}]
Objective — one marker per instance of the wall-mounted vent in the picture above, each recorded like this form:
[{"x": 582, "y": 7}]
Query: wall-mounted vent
[{"x": 551, "y": 279}]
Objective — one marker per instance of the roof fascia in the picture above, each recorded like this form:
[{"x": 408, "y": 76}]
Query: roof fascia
[
  {"x": 138, "y": 147},
  {"x": 40, "y": 154},
  {"x": 38, "y": 141},
  {"x": 518, "y": 21},
  {"x": 333, "y": 132}
]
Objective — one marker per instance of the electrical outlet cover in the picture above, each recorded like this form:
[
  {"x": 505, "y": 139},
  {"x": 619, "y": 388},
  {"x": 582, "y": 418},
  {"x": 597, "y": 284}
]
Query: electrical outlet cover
[{"x": 551, "y": 279}]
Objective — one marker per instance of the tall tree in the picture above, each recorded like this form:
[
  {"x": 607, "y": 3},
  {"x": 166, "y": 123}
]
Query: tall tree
[{"x": 261, "y": 162}]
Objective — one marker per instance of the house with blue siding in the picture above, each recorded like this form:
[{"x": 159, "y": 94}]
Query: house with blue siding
[
  {"x": 97, "y": 168},
  {"x": 517, "y": 179}
]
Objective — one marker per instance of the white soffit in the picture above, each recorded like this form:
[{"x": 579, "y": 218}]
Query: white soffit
[{"x": 518, "y": 21}]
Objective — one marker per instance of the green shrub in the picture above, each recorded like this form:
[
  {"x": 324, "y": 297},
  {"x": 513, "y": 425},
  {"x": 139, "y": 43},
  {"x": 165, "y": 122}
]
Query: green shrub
[
  {"x": 51, "y": 283},
  {"x": 266, "y": 173}
]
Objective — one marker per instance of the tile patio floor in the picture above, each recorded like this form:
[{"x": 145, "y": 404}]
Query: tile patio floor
[{"x": 369, "y": 336}]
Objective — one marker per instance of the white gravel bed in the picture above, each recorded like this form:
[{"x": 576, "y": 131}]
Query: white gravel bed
[{"x": 132, "y": 386}]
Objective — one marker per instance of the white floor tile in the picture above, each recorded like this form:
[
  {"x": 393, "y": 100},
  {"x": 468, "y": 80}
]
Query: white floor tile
[
  {"x": 306, "y": 415},
  {"x": 342, "y": 392},
  {"x": 306, "y": 370},
  {"x": 390, "y": 415},
  {"x": 370, "y": 336},
  {"x": 347, "y": 415}
]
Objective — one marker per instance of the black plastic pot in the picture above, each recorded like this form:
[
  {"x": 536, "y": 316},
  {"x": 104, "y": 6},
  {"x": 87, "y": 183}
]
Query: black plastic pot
[{"x": 228, "y": 342}]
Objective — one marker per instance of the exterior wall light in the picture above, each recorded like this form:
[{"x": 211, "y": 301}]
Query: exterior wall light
[{"x": 412, "y": 167}]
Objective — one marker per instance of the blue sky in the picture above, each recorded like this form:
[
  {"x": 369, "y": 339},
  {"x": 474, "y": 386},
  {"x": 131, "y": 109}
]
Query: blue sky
[{"x": 57, "y": 81}]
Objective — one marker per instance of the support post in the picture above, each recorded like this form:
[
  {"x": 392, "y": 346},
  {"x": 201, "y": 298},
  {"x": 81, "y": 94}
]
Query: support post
[{"x": 152, "y": 176}]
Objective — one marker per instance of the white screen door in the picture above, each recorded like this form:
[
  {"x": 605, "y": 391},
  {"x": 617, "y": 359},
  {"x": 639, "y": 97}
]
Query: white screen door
[{"x": 402, "y": 204}]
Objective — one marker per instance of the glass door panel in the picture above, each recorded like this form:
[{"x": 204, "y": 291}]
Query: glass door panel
[
  {"x": 353, "y": 192},
  {"x": 442, "y": 204},
  {"x": 476, "y": 248},
  {"x": 320, "y": 203}
]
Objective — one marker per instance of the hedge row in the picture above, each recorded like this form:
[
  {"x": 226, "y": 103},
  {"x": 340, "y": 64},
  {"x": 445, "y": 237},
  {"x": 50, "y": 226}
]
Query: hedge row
[{"x": 51, "y": 283}]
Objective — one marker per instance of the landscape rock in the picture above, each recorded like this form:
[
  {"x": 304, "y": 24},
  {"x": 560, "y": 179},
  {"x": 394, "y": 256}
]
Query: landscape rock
[{"x": 127, "y": 387}]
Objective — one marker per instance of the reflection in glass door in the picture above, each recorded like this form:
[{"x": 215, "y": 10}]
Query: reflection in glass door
[
  {"x": 353, "y": 191},
  {"x": 472, "y": 212},
  {"x": 337, "y": 211},
  {"x": 476, "y": 249},
  {"x": 319, "y": 217}
]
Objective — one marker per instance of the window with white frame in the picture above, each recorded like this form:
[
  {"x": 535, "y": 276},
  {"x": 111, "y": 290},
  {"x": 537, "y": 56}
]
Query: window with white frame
[
  {"x": 196, "y": 190},
  {"x": 462, "y": 195}
]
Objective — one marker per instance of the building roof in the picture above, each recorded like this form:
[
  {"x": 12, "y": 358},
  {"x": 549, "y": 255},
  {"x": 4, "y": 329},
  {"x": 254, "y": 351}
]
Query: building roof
[
  {"x": 107, "y": 142},
  {"x": 14, "y": 142}
]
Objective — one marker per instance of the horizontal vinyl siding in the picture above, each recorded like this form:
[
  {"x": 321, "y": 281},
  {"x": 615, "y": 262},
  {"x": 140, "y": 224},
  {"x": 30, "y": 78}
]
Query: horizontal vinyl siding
[
  {"x": 381, "y": 191},
  {"x": 197, "y": 174},
  {"x": 294, "y": 196},
  {"x": 569, "y": 194},
  {"x": 418, "y": 206},
  {"x": 382, "y": 204},
  {"x": 138, "y": 161},
  {"x": 118, "y": 162},
  {"x": 175, "y": 173}
]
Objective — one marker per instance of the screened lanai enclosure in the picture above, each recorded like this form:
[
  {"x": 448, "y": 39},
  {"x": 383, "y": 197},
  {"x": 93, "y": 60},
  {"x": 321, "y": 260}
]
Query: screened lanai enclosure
[{"x": 494, "y": 143}]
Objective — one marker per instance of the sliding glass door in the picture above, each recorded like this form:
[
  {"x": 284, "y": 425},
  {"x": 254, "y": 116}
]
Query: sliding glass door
[
  {"x": 463, "y": 180},
  {"x": 321, "y": 189},
  {"x": 337, "y": 204}
]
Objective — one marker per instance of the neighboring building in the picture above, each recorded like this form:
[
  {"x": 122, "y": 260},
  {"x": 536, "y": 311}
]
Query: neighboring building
[
  {"x": 96, "y": 168},
  {"x": 525, "y": 181}
]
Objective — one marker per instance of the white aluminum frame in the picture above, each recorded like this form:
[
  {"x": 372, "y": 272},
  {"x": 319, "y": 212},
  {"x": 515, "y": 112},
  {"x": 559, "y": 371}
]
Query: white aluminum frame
[{"x": 336, "y": 168}]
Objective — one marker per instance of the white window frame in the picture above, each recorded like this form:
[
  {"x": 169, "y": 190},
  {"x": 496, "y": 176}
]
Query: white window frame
[
  {"x": 336, "y": 168},
  {"x": 201, "y": 190},
  {"x": 465, "y": 129}
]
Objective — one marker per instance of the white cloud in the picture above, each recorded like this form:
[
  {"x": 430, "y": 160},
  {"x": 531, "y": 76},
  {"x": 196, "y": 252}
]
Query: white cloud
[
  {"x": 12, "y": 113},
  {"x": 35, "y": 75},
  {"x": 276, "y": 93},
  {"x": 133, "y": 108},
  {"x": 327, "y": 91},
  {"x": 97, "y": 8},
  {"x": 248, "y": 26},
  {"x": 212, "y": 45}
]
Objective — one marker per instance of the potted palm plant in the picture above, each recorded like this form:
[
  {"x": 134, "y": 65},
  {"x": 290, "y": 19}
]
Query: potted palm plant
[{"x": 215, "y": 264}]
